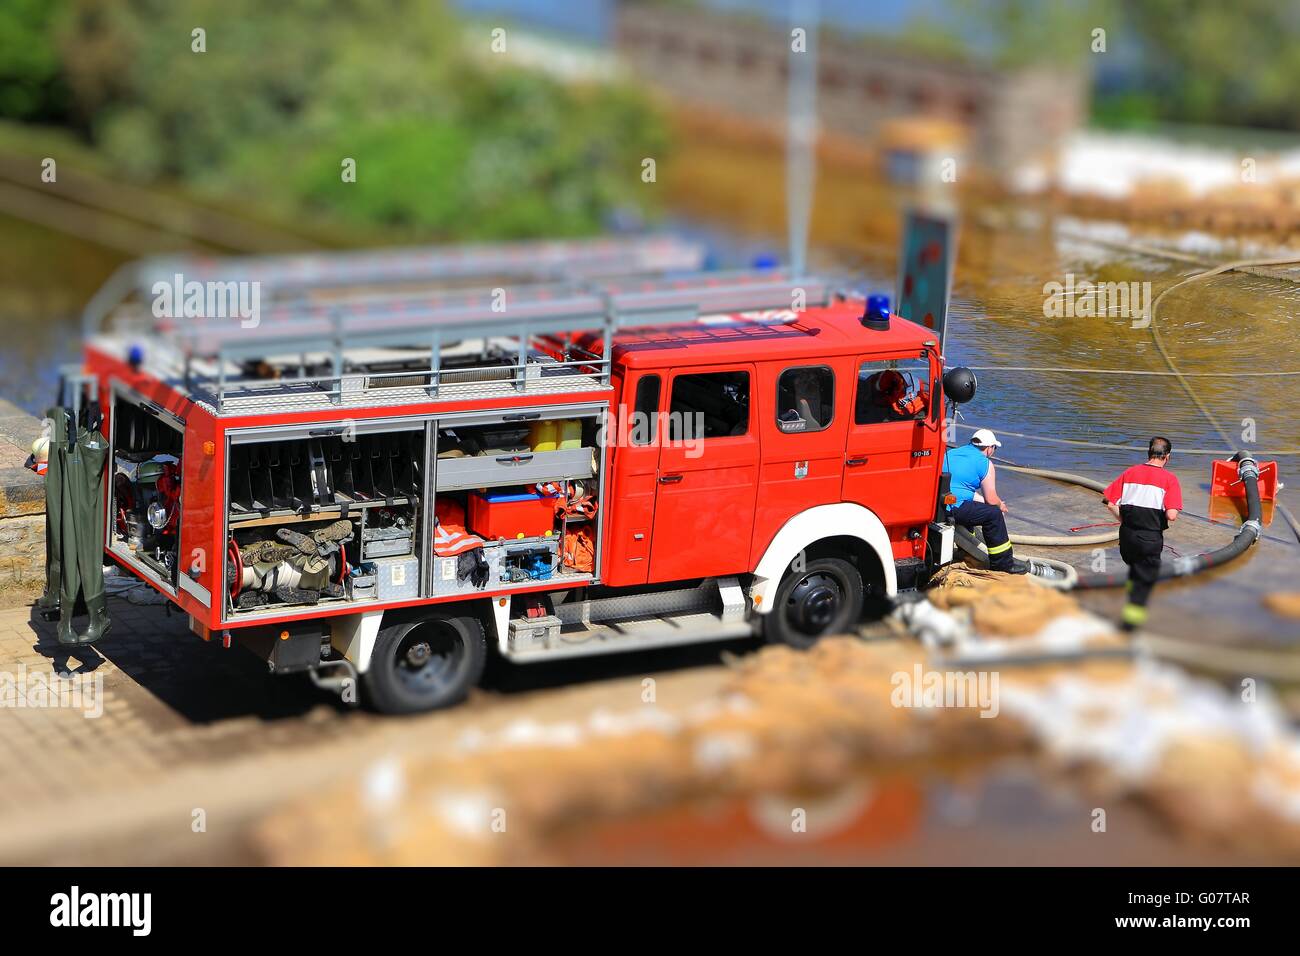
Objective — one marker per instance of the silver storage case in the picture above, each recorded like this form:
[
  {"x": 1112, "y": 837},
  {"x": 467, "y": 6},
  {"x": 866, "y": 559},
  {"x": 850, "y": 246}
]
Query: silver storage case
[
  {"x": 362, "y": 588},
  {"x": 397, "y": 579},
  {"x": 529, "y": 633},
  {"x": 386, "y": 542},
  {"x": 445, "y": 581}
]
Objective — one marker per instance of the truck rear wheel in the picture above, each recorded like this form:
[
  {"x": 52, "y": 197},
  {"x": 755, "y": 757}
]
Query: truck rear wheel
[
  {"x": 824, "y": 597},
  {"x": 425, "y": 664}
]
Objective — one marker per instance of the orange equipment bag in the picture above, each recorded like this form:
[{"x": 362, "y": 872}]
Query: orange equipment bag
[{"x": 580, "y": 550}]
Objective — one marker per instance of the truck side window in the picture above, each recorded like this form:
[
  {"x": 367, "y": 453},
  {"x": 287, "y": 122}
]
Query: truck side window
[
  {"x": 645, "y": 418},
  {"x": 805, "y": 399},
  {"x": 892, "y": 390},
  {"x": 709, "y": 405}
]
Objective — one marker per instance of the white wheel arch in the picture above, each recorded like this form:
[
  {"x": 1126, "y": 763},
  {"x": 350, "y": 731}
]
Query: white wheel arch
[
  {"x": 353, "y": 636},
  {"x": 809, "y": 527}
]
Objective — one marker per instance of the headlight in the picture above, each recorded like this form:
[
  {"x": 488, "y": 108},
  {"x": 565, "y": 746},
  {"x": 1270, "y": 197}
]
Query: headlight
[{"x": 157, "y": 515}]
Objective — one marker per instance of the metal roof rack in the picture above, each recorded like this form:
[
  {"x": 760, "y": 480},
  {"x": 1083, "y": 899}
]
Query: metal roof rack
[
  {"x": 548, "y": 260},
  {"x": 395, "y": 348},
  {"x": 285, "y": 276}
]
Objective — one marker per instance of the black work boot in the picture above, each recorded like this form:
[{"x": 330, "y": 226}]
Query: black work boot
[
  {"x": 296, "y": 595},
  {"x": 300, "y": 541},
  {"x": 338, "y": 532}
]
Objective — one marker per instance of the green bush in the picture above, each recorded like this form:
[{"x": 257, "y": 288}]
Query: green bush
[{"x": 444, "y": 142}]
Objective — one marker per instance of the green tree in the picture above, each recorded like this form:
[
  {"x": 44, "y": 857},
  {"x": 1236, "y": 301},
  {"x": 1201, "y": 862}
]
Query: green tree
[
  {"x": 1231, "y": 63},
  {"x": 31, "y": 78},
  {"x": 444, "y": 141}
]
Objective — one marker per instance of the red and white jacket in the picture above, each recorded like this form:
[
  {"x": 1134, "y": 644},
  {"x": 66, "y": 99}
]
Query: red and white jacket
[{"x": 1144, "y": 493}]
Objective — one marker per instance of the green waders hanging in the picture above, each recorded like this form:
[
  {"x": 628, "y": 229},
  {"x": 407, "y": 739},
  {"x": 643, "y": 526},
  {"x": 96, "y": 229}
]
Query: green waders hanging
[
  {"x": 81, "y": 521},
  {"x": 48, "y": 603}
]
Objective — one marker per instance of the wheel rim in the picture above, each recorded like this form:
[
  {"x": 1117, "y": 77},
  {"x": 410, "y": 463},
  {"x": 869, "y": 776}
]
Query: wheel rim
[
  {"x": 815, "y": 603},
  {"x": 429, "y": 657}
]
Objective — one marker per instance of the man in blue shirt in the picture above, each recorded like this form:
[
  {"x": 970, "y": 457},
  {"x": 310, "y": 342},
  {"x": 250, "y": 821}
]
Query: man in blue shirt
[{"x": 973, "y": 484}]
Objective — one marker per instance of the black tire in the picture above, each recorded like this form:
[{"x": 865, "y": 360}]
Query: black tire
[
  {"x": 825, "y": 597},
  {"x": 425, "y": 664}
]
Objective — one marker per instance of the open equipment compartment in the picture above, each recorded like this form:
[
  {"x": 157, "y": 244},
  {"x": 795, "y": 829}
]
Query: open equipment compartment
[
  {"x": 517, "y": 498},
  {"x": 324, "y": 514},
  {"x": 144, "y": 489}
]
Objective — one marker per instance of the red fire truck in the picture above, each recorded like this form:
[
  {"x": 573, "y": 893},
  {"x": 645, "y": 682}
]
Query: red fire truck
[{"x": 374, "y": 484}]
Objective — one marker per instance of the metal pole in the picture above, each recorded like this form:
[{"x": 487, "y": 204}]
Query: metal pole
[
  {"x": 801, "y": 130},
  {"x": 435, "y": 363}
]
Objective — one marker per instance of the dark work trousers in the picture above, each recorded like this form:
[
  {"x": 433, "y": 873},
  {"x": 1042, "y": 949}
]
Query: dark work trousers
[
  {"x": 1141, "y": 550},
  {"x": 972, "y": 514}
]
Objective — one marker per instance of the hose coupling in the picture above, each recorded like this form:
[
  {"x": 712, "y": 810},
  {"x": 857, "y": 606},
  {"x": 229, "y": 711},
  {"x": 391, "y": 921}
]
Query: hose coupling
[
  {"x": 1253, "y": 527},
  {"x": 1187, "y": 564},
  {"x": 1247, "y": 466}
]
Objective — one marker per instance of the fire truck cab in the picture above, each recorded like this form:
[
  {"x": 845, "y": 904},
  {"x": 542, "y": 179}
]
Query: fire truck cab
[{"x": 380, "y": 488}]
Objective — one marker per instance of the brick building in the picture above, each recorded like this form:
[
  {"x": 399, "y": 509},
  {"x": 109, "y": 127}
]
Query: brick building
[{"x": 1012, "y": 118}]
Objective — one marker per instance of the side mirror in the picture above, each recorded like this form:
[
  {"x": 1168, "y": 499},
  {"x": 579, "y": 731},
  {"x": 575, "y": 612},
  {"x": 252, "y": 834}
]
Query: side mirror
[{"x": 959, "y": 384}]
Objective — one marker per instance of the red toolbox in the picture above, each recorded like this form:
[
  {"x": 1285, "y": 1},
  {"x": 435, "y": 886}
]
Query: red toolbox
[{"x": 495, "y": 514}]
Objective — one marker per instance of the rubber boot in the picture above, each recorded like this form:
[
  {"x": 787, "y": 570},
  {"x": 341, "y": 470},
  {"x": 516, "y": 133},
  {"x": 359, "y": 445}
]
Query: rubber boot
[
  {"x": 67, "y": 634},
  {"x": 291, "y": 595},
  {"x": 100, "y": 622}
]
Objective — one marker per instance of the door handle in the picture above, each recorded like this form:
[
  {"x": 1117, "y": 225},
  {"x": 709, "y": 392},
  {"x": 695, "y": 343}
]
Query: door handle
[
  {"x": 670, "y": 479},
  {"x": 514, "y": 459},
  {"x": 855, "y": 462}
]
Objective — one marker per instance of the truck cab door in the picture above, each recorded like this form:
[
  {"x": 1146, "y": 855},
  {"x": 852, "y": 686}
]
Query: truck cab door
[
  {"x": 708, "y": 475},
  {"x": 891, "y": 457},
  {"x": 803, "y": 425}
]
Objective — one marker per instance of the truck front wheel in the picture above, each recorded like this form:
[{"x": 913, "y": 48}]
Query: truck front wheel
[
  {"x": 425, "y": 664},
  {"x": 824, "y": 597}
]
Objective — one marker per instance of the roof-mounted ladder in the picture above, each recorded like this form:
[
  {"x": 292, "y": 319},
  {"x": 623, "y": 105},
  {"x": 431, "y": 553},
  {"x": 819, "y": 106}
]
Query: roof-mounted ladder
[{"x": 426, "y": 324}]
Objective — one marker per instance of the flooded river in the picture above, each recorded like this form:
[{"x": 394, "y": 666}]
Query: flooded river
[{"x": 45, "y": 280}]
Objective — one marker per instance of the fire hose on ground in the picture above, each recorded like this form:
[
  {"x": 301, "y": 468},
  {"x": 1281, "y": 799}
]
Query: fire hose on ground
[{"x": 1064, "y": 576}]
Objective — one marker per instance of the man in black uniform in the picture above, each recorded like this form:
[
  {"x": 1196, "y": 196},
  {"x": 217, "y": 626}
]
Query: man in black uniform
[{"x": 1145, "y": 498}]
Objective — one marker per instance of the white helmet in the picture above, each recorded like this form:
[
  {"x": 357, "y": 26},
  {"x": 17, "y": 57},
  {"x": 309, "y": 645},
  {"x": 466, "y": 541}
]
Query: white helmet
[{"x": 984, "y": 438}]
